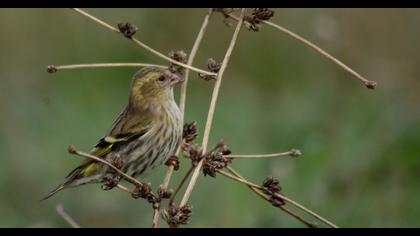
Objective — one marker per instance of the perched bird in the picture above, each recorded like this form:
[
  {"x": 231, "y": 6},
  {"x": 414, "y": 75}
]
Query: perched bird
[{"x": 144, "y": 135}]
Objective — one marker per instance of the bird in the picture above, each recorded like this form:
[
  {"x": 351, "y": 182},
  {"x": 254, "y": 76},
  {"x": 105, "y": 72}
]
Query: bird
[{"x": 144, "y": 135}]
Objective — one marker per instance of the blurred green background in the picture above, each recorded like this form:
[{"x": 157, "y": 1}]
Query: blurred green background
[{"x": 361, "y": 162}]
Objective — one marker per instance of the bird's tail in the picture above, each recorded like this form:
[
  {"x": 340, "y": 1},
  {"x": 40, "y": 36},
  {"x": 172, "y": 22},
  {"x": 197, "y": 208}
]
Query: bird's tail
[
  {"x": 56, "y": 190},
  {"x": 71, "y": 180}
]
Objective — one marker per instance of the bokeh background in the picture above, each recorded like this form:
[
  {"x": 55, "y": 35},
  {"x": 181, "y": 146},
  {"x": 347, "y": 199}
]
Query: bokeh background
[{"x": 361, "y": 162}]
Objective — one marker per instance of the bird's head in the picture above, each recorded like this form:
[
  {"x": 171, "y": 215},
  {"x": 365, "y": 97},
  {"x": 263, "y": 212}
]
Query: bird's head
[{"x": 153, "y": 85}]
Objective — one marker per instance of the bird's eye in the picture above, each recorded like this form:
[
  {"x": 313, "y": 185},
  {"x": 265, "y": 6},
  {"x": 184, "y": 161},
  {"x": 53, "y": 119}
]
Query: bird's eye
[{"x": 162, "y": 78}]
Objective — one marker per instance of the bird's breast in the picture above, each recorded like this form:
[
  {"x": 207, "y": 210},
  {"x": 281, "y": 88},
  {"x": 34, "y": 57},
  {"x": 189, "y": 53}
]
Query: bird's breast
[{"x": 156, "y": 146}]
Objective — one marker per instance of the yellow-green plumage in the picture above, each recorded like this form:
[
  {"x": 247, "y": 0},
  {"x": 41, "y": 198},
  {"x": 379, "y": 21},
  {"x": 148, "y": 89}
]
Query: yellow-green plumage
[{"x": 144, "y": 135}]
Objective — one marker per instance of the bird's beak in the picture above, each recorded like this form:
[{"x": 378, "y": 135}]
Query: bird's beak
[{"x": 176, "y": 79}]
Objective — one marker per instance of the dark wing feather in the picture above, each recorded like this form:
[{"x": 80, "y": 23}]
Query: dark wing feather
[{"x": 128, "y": 126}]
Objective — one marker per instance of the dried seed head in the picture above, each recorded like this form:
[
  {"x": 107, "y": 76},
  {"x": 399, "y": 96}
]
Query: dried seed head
[
  {"x": 371, "y": 84},
  {"x": 51, "y": 69},
  {"x": 173, "y": 161},
  {"x": 72, "y": 149},
  {"x": 109, "y": 182},
  {"x": 190, "y": 132},
  {"x": 215, "y": 159},
  {"x": 271, "y": 185},
  {"x": 253, "y": 22},
  {"x": 295, "y": 153},
  {"x": 142, "y": 191},
  {"x": 176, "y": 216},
  {"x": 127, "y": 29},
  {"x": 213, "y": 67},
  {"x": 165, "y": 193},
  {"x": 117, "y": 161},
  {"x": 179, "y": 56},
  {"x": 193, "y": 152},
  {"x": 276, "y": 201},
  {"x": 263, "y": 13}
]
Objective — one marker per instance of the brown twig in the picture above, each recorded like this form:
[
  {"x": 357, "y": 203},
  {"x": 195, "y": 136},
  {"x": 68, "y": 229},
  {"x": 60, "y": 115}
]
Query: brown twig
[
  {"x": 368, "y": 83},
  {"x": 197, "y": 43},
  {"x": 74, "y": 151},
  {"x": 298, "y": 205},
  {"x": 210, "y": 115},
  {"x": 179, "y": 186},
  {"x": 125, "y": 189},
  {"x": 182, "y": 101},
  {"x": 53, "y": 68},
  {"x": 60, "y": 210},
  {"x": 141, "y": 44},
  {"x": 242, "y": 180},
  {"x": 291, "y": 153},
  {"x": 155, "y": 217},
  {"x": 285, "y": 209}
]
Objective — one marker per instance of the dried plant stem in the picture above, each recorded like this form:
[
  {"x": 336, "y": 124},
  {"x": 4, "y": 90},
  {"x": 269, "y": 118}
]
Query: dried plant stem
[
  {"x": 155, "y": 217},
  {"x": 183, "y": 95},
  {"x": 123, "y": 188},
  {"x": 182, "y": 101},
  {"x": 141, "y": 44},
  {"x": 72, "y": 150},
  {"x": 298, "y": 217},
  {"x": 60, "y": 210},
  {"x": 292, "y": 153},
  {"x": 210, "y": 115},
  {"x": 244, "y": 181},
  {"x": 241, "y": 180},
  {"x": 368, "y": 83},
  {"x": 167, "y": 178},
  {"x": 179, "y": 186},
  {"x": 325, "y": 221},
  {"x": 285, "y": 209},
  {"x": 53, "y": 68}
]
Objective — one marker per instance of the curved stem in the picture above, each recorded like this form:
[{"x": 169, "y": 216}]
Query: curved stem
[
  {"x": 210, "y": 115},
  {"x": 141, "y": 44},
  {"x": 53, "y": 68},
  {"x": 292, "y": 153},
  {"x": 60, "y": 210},
  {"x": 72, "y": 150},
  {"x": 368, "y": 83},
  {"x": 244, "y": 181}
]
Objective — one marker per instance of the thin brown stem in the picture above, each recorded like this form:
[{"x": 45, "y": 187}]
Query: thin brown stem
[
  {"x": 179, "y": 186},
  {"x": 155, "y": 217},
  {"x": 141, "y": 44},
  {"x": 167, "y": 178},
  {"x": 182, "y": 101},
  {"x": 53, "y": 68},
  {"x": 291, "y": 153},
  {"x": 123, "y": 188},
  {"x": 241, "y": 180},
  {"x": 212, "y": 108},
  {"x": 368, "y": 83},
  {"x": 267, "y": 198},
  {"x": 60, "y": 210},
  {"x": 183, "y": 95},
  {"x": 298, "y": 217},
  {"x": 325, "y": 221},
  {"x": 72, "y": 150},
  {"x": 246, "y": 182}
]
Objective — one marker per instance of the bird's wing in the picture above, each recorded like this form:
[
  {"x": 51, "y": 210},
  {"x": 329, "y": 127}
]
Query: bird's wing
[{"x": 126, "y": 127}]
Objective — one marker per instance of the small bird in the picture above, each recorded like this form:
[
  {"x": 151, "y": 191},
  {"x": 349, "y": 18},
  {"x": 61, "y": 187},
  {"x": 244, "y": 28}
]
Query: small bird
[{"x": 144, "y": 135}]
